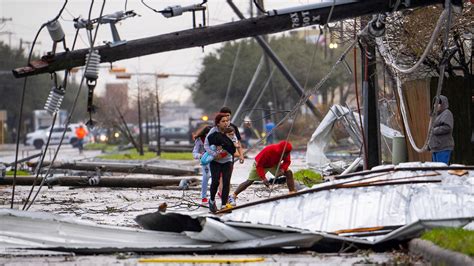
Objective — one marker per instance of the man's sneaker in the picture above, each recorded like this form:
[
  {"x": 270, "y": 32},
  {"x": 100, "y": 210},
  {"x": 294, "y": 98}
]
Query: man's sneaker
[
  {"x": 212, "y": 206},
  {"x": 231, "y": 201},
  {"x": 204, "y": 201}
]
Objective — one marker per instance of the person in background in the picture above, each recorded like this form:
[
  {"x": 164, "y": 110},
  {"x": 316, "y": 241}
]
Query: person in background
[
  {"x": 81, "y": 133},
  {"x": 442, "y": 143},
  {"x": 223, "y": 159},
  {"x": 272, "y": 158},
  {"x": 247, "y": 132},
  {"x": 269, "y": 126},
  {"x": 198, "y": 152}
]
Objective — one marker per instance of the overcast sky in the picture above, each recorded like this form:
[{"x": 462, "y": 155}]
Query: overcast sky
[{"x": 28, "y": 15}]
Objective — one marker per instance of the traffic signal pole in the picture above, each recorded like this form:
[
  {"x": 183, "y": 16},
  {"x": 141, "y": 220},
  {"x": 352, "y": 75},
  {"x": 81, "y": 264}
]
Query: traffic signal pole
[{"x": 275, "y": 21}]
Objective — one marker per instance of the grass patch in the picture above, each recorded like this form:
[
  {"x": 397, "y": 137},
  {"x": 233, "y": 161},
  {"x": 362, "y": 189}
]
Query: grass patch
[
  {"x": 129, "y": 155},
  {"x": 133, "y": 155},
  {"x": 100, "y": 146},
  {"x": 18, "y": 173},
  {"x": 308, "y": 177},
  {"x": 455, "y": 239},
  {"x": 177, "y": 156}
]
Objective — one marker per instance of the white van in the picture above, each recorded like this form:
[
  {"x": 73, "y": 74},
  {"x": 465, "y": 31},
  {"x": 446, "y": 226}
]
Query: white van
[{"x": 39, "y": 137}]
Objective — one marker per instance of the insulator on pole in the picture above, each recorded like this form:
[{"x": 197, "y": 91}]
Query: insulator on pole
[
  {"x": 55, "y": 98},
  {"x": 55, "y": 31},
  {"x": 92, "y": 63}
]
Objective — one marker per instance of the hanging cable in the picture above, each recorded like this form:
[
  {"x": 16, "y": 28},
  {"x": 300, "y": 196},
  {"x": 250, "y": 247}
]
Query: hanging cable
[
  {"x": 267, "y": 83},
  {"x": 391, "y": 62},
  {"x": 22, "y": 102},
  {"x": 231, "y": 78},
  {"x": 252, "y": 82},
  {"x": 260, "y": 8},
  {"x": 388, "y": 58},
  {"x": 308, "y": 93},
  {"x": 73, "y": 107}
]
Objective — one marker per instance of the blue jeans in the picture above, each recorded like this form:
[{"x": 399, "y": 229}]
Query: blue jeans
[
  {"x": 441, "y": 156},
  {"x": 206, "y": 174}
]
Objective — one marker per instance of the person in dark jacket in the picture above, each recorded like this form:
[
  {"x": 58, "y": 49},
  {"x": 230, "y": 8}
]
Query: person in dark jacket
[
  {"x": 272, "y": 158},
  {"x": 442, "y": 143},
  {"x": 223, "y": 159}
]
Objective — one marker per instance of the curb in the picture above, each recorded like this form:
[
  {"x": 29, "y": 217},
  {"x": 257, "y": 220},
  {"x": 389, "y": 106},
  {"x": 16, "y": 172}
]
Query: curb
[{"x": 438, "y": 255}]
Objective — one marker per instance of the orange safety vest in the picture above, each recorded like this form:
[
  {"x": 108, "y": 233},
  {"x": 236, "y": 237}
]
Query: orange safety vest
[{"x": 81, "y": 132}]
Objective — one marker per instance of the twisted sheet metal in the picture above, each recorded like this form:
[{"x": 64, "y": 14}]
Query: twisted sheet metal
[{"x": 370, "y": 206}]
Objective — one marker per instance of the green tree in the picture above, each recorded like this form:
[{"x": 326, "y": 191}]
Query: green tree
[{"x": 37, "y": 89}]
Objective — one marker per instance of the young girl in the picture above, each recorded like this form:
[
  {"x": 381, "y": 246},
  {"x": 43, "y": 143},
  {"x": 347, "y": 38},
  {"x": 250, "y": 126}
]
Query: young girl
[
  {"x": 198, "y": 151},
  {"x": 230, "y": 133}
]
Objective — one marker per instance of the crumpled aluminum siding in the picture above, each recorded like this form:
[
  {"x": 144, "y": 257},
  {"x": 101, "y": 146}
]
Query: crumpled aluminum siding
[
  {"x": 21, "y": 230},
  {"x": 362, "y": 207}
]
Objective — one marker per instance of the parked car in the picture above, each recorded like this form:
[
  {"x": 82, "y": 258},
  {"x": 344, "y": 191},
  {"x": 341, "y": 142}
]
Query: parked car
[
  {"x": 175, "y": 134},
  {"x": 39, "y": 137}
]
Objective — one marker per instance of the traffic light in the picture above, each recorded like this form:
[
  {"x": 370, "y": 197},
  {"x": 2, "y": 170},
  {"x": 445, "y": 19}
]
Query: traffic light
[
  {"x": 123, "y": 76},
  {"x": 205, "y": 118},
  {"x": 162, "y": 76},
  {"x": 117, "y": 70}
]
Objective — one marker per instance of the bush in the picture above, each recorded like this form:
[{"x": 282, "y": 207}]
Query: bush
[{"x": 308, "y": 177}]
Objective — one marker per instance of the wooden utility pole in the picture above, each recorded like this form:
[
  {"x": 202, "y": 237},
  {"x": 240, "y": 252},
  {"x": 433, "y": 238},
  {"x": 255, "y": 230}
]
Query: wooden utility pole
[
  {"x": 371, "y": 110},
  {"x": 275, "y": 21}
]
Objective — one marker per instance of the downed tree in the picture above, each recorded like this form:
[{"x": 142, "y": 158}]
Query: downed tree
[
  {"x": 137, "y": 168},
  {"x": 105, "y": 181}
]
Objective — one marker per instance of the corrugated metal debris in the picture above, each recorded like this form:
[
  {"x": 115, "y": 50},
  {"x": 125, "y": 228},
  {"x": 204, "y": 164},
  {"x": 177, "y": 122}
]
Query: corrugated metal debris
[{"x": 371, "y": 208}]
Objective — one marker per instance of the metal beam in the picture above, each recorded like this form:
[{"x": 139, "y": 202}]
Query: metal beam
[{"x": 277, "y": 21}]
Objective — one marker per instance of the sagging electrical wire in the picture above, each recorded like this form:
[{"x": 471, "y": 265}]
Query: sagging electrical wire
[
  {"x": 294, "y": 112},
  {"x": 259, "y": 7},
  {"x": 149, "y": 7},
  {"x": 68, "y": 121},
  {"x": 267, "y": 83},
  {"x": 307, "y": 94},
  {"x": 231, "y": 78},
  {"x": 22, "y": 102}
]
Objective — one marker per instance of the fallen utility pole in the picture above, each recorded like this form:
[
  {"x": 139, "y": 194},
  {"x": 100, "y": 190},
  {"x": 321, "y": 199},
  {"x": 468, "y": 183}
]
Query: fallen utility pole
[
  {"x": 286, "y": 73},
  {"x": 136, "y": 168},
  {"x": 105, "y": 181},
  {"x": 275, "y": 21}
]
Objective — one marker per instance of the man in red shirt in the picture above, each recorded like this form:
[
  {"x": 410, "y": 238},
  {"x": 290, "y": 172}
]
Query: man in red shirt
[{"x": 272, "y": 158}]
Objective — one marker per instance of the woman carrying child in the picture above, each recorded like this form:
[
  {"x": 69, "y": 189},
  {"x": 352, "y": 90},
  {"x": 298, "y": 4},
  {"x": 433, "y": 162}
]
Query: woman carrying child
[
  {"x": 198, "y": 151},
  {"x": 223, "y": 159}
]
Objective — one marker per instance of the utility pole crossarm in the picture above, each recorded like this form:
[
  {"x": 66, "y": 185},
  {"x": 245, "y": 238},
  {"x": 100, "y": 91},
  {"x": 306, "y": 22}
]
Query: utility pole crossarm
[{"x": 278, "y": 21}]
